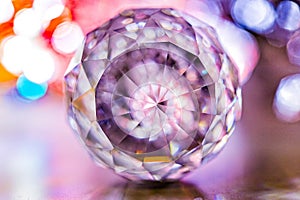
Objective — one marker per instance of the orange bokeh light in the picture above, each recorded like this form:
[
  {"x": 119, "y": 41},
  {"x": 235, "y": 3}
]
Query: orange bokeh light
[
  {"x": 5, "y": 75},
  {"x": 20, "y": 4}
]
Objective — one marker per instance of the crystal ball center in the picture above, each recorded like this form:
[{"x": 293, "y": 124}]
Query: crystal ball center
[{"x": 153, "y": 107}]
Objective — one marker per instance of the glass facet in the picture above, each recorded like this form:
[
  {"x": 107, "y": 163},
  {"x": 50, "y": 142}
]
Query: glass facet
[{"x": 152, "y": 94}]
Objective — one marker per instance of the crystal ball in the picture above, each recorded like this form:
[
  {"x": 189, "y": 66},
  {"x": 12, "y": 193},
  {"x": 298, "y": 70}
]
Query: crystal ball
[{"x": 152, "y": 95}]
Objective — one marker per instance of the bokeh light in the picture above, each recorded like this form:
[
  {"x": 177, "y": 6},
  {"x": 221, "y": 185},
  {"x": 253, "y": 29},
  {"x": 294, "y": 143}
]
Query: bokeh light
[
  {"x": 7, "y": 10},
  {"x": 27, "y": 23},
  {"x": 239, "y": 44},
  {"x": 288, "y": 15},
  {"x": 63, "y": 17},
  {"x": 67, "y": 37},
  {"x": 41, "y": 65},
  {"x": 293, "y": 48},
  {"x": 30, "y": 90},
  {"x": 286, "y": 101},
  {"x": 27, "y": 46},
  {"x": 49, "y": 8},
  {"x": 15, "y": 53},
  {"x": 5, "y": 75},
  {"x": 278, "y": 37},
  {"x": 255, "y": 15}
]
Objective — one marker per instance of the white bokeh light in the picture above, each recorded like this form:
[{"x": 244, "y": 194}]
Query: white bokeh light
[
  {"x": 27, "y": 23},
  {"x": 247, "y": 14},
  {"x": 45, "y": 4},
  {"x": 22, "y": 55},
  {"x": 41, "y": 66},
  {"x": 53, "y": 12},
  {"x": 7, "y": 10},
  {"x": 67, "y": 37},
  {"x": 287, "y": 99},
  {"x": 15, "y": 53},
  {"x": 256, "y": 15},
  {"x": 48, "y": 9}
]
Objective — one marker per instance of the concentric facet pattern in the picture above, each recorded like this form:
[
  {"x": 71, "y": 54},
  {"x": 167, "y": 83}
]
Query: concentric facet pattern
[{"x": 152, "y": 94}]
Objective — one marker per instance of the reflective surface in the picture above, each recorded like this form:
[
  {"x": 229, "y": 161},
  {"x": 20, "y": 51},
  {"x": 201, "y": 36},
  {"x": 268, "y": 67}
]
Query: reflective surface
[
  {"x": 153, "y": 95},
  {"x": 150, "y": 191},
  {"x": 261, "y": 160}
]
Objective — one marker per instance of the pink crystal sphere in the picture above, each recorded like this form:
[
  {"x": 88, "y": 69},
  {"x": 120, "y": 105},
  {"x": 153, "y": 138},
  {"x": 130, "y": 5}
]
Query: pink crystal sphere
[{"x": 152, "y": 95}]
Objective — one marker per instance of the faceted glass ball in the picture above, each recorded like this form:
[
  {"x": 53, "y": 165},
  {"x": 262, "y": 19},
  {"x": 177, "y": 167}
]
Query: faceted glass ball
[{"x": 152, "y": 94}]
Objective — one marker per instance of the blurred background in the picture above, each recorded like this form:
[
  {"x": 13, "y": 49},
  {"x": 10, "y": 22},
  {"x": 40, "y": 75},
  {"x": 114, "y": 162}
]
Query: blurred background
[{"x": 40, "y": 158}]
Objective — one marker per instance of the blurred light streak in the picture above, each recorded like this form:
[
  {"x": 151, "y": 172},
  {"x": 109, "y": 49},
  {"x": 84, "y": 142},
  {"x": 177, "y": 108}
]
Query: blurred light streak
[
  {"x": 286, "y": 102},
  {"x": 7, "y": 10},
  {"x": 30, "y": 90},
  {"x": 67, "y": 37},
  {"x": 255, "y": 15}
]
